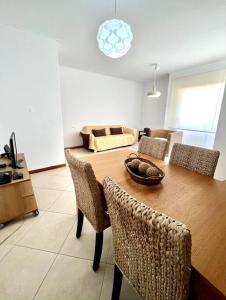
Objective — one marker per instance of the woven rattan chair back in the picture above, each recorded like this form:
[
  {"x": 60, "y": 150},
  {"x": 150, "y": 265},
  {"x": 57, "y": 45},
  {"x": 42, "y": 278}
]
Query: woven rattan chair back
[
  {"x": 152, "y": 250},
  {"x": 89, "y": 198},
  {"x": 197, "y": 159},
  {"x": 153, "y": 147}
]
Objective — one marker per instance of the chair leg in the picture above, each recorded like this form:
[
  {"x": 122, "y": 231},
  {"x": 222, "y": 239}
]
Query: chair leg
[
  {"x": 80, "y": 223},
  {"x": 117, "y": 284},
  {"x": 98, "y": 250}
]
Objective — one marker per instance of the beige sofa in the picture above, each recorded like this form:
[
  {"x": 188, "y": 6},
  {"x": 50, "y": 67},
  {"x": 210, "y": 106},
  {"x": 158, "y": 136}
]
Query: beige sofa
[
  {"x": 171, "y": 136},
  {"x": 100, "y": 143}
]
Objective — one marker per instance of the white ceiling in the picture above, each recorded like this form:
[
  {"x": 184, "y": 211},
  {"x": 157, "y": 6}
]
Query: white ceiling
[{"x": 175, "y": 33}]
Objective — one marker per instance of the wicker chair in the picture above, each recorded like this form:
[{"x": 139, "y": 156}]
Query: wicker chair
[
  {"x": 153, "y": 147},
  {"x": 152, "y": 250},
  {"x": 171, "y": 136},
  {"x": 90, "y": 202},
  {"x": 197, "y": 159}
]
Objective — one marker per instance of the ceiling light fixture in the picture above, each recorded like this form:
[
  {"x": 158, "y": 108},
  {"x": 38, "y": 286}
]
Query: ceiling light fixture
[
  {"x": 114, "y": 37},
  {"x": 154, "y": 93}
]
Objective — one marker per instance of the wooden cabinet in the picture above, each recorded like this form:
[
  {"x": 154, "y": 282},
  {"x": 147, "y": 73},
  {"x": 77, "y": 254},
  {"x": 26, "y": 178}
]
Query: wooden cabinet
[{"x": 17, "y": 197}]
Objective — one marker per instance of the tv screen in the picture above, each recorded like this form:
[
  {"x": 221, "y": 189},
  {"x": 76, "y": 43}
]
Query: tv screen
[{"x": 13, "y": 150}]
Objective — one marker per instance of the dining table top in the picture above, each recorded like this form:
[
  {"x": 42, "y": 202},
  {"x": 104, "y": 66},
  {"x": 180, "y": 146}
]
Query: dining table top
[{"x": 193, "y": 199}]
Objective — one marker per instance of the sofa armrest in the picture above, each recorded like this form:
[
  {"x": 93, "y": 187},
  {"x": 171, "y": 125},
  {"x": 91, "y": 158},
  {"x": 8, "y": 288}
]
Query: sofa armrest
[
  {"x": 91, "y": 142},
  {"x": 132, "y": 131},
  {"x": 85, "y": 139}
]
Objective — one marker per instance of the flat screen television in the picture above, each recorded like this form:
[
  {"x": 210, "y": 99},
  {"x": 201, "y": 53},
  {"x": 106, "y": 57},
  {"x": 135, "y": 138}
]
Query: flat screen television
[{"x": 13, "y": 151}]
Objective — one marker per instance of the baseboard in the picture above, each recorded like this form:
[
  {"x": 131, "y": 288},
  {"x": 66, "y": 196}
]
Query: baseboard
[
  {"x": 73, "y": 147},
  {"x": 47, "y": 168}
]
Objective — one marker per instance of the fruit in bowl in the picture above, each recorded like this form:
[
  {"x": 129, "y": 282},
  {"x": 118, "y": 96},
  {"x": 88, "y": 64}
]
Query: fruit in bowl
[
  {"x": 134, "y": 164},
  {"x": 142, "y": 168},
  {"x": 152, "y": 171}
]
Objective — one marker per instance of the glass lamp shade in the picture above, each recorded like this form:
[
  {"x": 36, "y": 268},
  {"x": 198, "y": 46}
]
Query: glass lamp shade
[
  {"x": 154, "y": 94},
  {"x": 114, "y": 38}
]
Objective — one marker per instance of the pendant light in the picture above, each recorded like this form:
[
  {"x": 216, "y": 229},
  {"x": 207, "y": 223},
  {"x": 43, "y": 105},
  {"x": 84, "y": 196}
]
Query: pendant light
[
  {"x": 114, "y": 37},
  {"x": 154, "y": 93}
]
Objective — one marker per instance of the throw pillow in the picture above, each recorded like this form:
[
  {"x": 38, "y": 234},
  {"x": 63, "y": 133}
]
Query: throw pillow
[
  {"x": 99, "y": 132},
  {"x": 117, "y": 130}
]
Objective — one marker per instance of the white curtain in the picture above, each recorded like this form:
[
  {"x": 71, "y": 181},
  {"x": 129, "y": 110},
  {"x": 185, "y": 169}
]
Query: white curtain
[{"x": 195, "y": 101}]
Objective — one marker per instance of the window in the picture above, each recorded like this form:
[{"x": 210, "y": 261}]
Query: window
[{"x": 194, "y": 107}]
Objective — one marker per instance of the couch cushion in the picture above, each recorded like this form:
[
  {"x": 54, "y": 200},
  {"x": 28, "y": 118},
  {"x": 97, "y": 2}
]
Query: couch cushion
[
  {"x": 113, "y": 141},
  {"x": 117, "y": 130},
  {"x": 88, "y": 129},
  {"x": 99, "y": 132}
]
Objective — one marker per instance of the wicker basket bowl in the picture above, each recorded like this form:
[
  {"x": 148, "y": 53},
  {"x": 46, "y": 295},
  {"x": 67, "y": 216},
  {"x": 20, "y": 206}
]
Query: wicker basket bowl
[{"x": 143, "y": 179}]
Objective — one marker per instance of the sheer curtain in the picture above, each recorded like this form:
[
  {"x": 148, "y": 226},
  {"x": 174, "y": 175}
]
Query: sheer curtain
[{"x": 195, "y": 103}]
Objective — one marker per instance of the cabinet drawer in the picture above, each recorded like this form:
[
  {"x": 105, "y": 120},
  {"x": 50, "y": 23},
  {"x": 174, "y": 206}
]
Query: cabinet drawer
[
  {"x": 11, "y": 205},
  {"x": 26, "y": 189}
]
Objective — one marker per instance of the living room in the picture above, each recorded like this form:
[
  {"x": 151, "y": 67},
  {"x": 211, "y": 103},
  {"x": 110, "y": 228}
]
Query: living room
[{"x": 56, "y": 79}]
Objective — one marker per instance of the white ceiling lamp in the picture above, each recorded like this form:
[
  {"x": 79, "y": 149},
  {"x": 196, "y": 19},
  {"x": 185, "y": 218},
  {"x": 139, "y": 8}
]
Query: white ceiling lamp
[
  {"x": 154, "y": 93},
  {"x": 114, "y": 37}
]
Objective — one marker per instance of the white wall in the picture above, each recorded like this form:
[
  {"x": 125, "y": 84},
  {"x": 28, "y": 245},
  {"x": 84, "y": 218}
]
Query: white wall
[
  {"x": 30, "y": 96},
  {"x": 220, "y": 142},
  {"x": 91, "y": 98},
  {"x": 153, "y": 109}
]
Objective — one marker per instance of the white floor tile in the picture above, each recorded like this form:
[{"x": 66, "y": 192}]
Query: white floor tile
[
  {"x": 22, "y": 272},
  {"x": 9, "y": 229},
  {"x": 84, "y": 246},
  {"x": 4, "y": 249},
  {"x": 70, "y": 188},
  {"x": 71, "y": 278},
  {"x": 50, "y": 182},
  {"x": 26, "y": 224},
  {"x": 64, "y": 171},
  {"x": 45, "y": 197},
  {"x": 65, "y": 203},
  {"x": 127, "y": 291},
  {"x": 49, "y": 232}
]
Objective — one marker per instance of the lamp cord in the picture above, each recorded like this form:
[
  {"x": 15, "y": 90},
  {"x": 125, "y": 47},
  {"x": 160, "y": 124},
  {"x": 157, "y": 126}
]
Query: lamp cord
[{"x": 154, "y": 86}]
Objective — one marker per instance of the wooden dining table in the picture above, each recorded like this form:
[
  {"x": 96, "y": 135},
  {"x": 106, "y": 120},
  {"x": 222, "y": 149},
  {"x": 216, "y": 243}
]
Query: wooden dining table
[{"x": 196, "y": 200}]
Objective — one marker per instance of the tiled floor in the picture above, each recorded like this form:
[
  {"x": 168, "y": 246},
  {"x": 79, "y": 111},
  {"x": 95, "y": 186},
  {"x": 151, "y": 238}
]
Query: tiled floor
[{"x": 40, "y": 258}]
